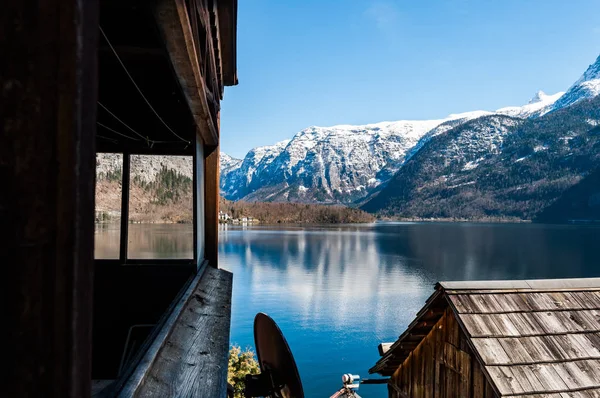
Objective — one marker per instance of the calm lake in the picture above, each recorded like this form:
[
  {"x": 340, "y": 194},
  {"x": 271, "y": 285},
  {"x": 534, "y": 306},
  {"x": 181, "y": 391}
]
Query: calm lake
[{"x": 338, "y": 291}]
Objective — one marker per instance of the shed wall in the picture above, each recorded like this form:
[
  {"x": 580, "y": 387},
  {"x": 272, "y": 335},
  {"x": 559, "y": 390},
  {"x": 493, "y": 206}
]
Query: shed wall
[{"x": 442, "y": 365}]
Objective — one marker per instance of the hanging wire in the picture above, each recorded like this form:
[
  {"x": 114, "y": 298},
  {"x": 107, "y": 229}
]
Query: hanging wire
[
  {"x": 106, "y": 138},
  {"x": 116, "y": 132},
  {"x": 138, "y": 89},
  {"x": 122, "y": 122},
  {"x": 149, "y": 142}
]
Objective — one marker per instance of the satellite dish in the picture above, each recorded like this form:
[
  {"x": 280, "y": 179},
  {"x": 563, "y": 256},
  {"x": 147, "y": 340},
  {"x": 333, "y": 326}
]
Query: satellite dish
[{"x": 279, "y": 376}]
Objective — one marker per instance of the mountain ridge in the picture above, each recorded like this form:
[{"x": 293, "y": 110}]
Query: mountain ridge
[{"x": 341, "y": 164}]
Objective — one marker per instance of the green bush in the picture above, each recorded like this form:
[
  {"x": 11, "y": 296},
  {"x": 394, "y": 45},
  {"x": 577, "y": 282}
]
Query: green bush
[{"x": 241, "y": 363}]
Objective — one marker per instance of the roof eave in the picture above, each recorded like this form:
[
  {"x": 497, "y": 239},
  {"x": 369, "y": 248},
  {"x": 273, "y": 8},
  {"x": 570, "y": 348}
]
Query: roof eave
[{"x": 228, "y": 39}]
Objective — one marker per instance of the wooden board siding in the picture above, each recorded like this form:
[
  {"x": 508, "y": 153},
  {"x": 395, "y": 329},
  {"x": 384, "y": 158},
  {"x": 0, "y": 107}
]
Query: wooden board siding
[{"x": 442, "y": 365}]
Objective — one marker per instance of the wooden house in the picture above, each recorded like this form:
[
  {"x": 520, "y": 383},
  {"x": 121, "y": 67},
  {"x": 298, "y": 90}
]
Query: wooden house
[
  {"x": 530, "y": 338},
  {"x": 131, "y": 77}
]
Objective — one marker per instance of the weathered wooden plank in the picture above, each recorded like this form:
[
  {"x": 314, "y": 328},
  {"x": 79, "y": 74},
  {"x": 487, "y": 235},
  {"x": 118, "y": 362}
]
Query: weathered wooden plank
[
  {"x": 479, "y": 381},
  {"x": 525, "y": 324},
  {"x": 464, "y": 373},
  {"x": 491, "y": 351},
  {"x": 550, "y": 323},
  {"x": 587, "y": 300},
  {"x": 193, "y": 360},
  {"x": 462, "y": 303},
  {"x": 551, "y": 301},
  {"x": 555, "y": 348},
  {"x": 536, "y": 348},
  {"x": 513, "y": 302},
  {"x": 452, "y": 329},
  {"x": 516, "y": 351},
  {"x": 572, "y": 375},
  {"x": 480, "y": 325},
  {"x": 548, "y": 377},
  {"x": 505, "y": 325},
  {"x": 505, "y": 380}
]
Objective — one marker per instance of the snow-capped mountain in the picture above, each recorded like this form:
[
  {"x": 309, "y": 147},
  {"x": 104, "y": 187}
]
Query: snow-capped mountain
[
  {"x": 345, "y": 163},
  {"x": 337, "y": 164},
  {"x": 587, "y": 86}
]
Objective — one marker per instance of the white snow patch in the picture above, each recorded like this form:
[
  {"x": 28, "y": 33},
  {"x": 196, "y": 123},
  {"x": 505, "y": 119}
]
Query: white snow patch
[
  {"x": 461, "y": 185},
  {"x": 473, "y": 164}
]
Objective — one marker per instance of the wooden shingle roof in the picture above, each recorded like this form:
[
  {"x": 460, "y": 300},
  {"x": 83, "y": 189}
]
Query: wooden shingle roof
[{"x": 531, "y": 337}]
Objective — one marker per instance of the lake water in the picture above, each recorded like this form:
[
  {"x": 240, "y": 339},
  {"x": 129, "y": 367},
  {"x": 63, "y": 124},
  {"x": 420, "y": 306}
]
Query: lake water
[{"x": 338, "y": 291}]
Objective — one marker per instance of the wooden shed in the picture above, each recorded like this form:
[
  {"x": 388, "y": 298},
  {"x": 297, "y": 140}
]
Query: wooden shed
[{"x": 528, "y": 338}]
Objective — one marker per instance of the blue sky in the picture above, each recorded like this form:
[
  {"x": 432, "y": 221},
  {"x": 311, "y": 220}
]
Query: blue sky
[{"x": 327, "y": 62}]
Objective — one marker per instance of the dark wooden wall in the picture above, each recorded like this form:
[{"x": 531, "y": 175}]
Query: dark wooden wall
[
  {"x": 127, "y": 295},
  {"x": 47, "y": 132},
  {"x": 442, "y": 365}
]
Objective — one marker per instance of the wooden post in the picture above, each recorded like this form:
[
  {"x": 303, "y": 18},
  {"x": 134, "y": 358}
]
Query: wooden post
[
  {"x": 199, "y": 219},
  {"x": 48, "y": 77},
  {"x": 211, "y": 205},
  {"x": 125, "y": 188}
]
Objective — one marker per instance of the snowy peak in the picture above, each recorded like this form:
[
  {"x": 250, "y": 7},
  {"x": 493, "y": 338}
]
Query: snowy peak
[
  {"x": 538, "y": 97},
  {"x": 587, "y": 86},
  {"x": 228, "y": 161},
  {"x": 540, "y": 104}
]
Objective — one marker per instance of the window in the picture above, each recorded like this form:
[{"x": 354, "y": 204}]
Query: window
[{"x": 109, "y": 170}]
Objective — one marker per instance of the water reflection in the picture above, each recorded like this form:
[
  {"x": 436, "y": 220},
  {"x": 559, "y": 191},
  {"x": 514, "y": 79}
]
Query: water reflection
[
  {"x": 146, "y": 241},
  {"x": 339, "y": 291}
]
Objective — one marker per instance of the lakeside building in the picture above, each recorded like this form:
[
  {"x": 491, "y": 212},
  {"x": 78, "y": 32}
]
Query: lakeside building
[
  {"x": 526, "y": 339},
  {"x": 132, "y": 78},
  {"x": 223, "y": 216}
]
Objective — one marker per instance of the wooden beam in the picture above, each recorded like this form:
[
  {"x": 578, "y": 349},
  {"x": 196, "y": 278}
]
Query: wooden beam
[
  {"x": 47, "y": 164},
  {"x": 227, "y": 14},
  {"x": 211, "y": 206},
  {"x": 175, "y": 26}
]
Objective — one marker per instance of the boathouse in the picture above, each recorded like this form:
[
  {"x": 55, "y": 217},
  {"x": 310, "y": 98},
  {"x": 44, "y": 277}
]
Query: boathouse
[
  {"x": 529, "y": 338},
  {"x": 128, "y": 77}
]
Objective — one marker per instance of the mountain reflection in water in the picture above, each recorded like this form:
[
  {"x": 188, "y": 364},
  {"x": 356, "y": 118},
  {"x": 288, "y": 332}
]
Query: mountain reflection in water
[{"x": 338, "y": 291}]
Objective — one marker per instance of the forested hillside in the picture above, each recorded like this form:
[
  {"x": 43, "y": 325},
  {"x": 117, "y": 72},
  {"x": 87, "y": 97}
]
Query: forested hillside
[{"x": 295, "y": 213}]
